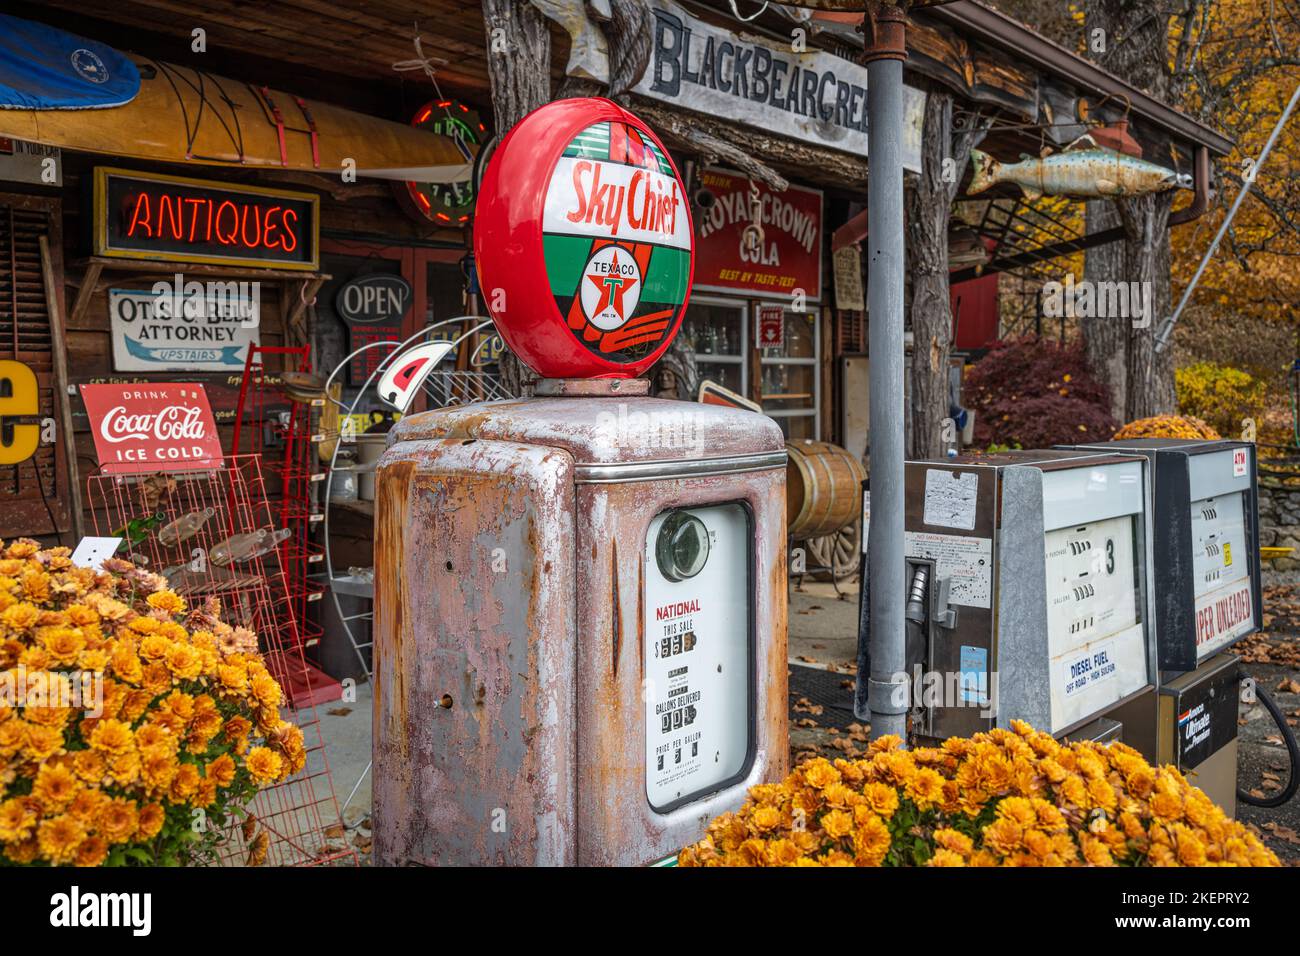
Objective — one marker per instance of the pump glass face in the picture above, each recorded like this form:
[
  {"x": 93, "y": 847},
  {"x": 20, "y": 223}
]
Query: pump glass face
[
  {"x": 698, "y": 652},
  {"x": 1224, "y": 603},
  {"x": 1095, "y": 633},
  {"x": 682, "y": 546}
]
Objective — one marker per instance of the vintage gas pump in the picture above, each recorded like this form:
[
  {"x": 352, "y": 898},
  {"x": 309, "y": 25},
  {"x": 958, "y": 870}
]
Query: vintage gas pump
[
  {"x": 1205, "y": 533},
  {"x": 1028, "y": 594},
  {"x": 580, "y": 597}
]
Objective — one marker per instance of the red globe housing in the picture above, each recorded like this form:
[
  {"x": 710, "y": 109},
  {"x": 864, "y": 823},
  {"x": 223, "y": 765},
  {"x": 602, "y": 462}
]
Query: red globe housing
[{"x": 583, "y": 241}]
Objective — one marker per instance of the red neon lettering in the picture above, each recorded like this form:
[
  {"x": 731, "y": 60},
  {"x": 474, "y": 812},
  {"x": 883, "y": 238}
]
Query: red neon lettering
[
  {"x": 243, "y": 226},
  {"x": 167, "y": 211},
  {"x": 246, "y": 225},
  {"x": 141, "y": 203},
  {"x": 194, "y": 214},
  {"x": 290, "y": 240},
  {"x": 232, "y": 236},
  {"x": 270, "y": 228}
]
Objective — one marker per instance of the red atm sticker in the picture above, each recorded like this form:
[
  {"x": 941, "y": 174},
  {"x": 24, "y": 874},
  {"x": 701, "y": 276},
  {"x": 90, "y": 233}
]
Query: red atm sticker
[
  {"x": 149, "y": 427},
  {"x": 1239, "y": 462}
]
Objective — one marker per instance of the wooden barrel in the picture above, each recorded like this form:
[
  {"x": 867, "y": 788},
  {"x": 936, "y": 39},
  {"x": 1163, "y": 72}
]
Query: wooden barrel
[{"x": 823, "y": 488}]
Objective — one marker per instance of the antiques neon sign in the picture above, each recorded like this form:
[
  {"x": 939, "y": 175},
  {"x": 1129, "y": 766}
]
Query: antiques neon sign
[{"x": 170, "y": 218}]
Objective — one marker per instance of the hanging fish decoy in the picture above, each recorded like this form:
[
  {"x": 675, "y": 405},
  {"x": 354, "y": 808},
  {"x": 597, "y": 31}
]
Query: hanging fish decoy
[{"x": 1083, "y": 170}]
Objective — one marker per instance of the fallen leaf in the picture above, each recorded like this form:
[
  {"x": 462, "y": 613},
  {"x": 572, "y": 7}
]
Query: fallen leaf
[
  {"x": 339, "y": 711},
  {"x": 334, "y": 831}
]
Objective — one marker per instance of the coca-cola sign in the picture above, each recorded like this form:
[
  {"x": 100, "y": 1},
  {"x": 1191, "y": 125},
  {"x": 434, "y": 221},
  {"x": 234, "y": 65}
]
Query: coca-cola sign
[{"x": 152, "y": 427}]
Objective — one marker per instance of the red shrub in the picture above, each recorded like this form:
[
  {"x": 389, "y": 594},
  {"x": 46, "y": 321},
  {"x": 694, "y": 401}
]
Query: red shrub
[{"x": 1034, "y": 393}]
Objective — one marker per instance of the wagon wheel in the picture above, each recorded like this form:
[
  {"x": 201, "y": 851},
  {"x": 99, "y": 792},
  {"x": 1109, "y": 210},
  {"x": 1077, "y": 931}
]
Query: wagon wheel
[
  {"x": 846, "y": 553},
  {"x": 838, "y": 553}
]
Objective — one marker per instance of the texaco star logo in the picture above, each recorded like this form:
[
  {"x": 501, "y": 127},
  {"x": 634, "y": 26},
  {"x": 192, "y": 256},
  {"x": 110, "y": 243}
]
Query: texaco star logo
[{"x": 611, "y": 287}]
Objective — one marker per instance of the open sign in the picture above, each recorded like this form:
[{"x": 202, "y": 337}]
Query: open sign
[{"x": 372, "y": 299}]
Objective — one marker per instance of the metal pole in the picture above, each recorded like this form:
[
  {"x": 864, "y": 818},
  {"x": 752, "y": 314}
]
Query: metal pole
[
  {"x": 887, "y": 686},
  {"x": 1162, "y": 339}
]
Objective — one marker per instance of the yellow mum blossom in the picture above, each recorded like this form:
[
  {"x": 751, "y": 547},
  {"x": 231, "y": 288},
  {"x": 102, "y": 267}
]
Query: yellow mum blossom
[
  {"x": 259, "y": 763},
  {"x": 42, "y": 743},
  {"x": 92, "y": 851},
  {"x": 265, "y": 690},
  {"x": 871, "y": 842},
  {"x": 837, "y": 824},
  {"x": 20, "y": 616},
  {"x": 264, "y": 764},
  {"x": 54, "y": 787},
  {"x": 783, "y": 852},
  {"x": 882, "y": 799},
  {"x": 817, "y": 773},
  {"x": 953, "y": 841},
  {"x": 59, "y": 837},
  {"x": 18, "y": 819},
  {"x": 168, "y": 601},
  {"x": 943, "y": 857},
  {"x": 112, "y": 737},
  {"x": 151, "y": 820},
  {"x": 184, "y": 662}
]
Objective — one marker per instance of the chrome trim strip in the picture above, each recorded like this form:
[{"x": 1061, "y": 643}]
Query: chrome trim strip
[{"x": 598, "y": 474}]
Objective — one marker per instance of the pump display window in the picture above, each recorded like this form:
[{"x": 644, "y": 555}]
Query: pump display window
[
  {"x": 716, "y": 331},
  {"x": 790, "y": 383}
]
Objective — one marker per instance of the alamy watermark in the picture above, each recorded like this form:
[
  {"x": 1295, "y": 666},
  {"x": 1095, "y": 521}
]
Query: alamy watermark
[
  {"x": 217, "y": 302},
  {"x": 1099, "y": 300},
  {"x": 77, "y": 690},
  {"x": 676, "y": 430},
  {"x": 976, "y": 688}
]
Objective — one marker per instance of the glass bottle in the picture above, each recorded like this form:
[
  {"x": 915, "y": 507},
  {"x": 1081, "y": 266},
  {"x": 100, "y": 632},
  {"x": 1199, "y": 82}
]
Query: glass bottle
[{"x": 184, "y": 527}]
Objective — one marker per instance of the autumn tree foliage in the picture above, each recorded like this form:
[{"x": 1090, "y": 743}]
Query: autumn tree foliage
[
  {"x": 1232, "y": 64},
  {"x": 1036, "y": 393}
]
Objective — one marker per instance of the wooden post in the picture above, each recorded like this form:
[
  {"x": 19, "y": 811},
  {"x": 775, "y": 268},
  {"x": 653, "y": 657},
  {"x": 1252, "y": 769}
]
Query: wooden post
[{"x": 60, "y": 349}]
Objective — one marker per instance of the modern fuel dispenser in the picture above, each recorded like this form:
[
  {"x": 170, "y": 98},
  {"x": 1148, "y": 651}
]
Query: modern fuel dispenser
[
  {"x": 1205, "y": 531},
  {"x": 1029, "y": 594},
  {"x": 580, "y": 606}
]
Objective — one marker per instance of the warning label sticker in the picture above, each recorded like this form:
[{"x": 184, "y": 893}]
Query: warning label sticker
[
  {"x": 967, "y": 563},
  {"x": 950, "y": 498}
]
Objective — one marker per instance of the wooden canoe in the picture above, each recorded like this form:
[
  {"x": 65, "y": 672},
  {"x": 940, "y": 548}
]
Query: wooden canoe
[{"x": 182, "y": 115}]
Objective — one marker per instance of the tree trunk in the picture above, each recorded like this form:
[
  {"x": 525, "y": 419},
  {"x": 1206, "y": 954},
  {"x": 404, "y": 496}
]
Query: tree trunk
[
  {"x": 929, "y": 206},
  {"x": 519, "y": 59},
  {"x": 1121, "y": 350},
  {"x": 1106, "y": 339},
  {"x": 519, "y": 68},
  {"x": 1150, "y": 374}
]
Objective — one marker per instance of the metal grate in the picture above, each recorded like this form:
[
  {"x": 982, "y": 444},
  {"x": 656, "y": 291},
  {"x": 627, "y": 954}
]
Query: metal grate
[{"x": 825, "y": 689}]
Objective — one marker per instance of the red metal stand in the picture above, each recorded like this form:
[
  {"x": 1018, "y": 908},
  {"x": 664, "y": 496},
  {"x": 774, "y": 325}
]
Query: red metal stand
[
  {"x": 279, "y": 429},
  {"x": 255, "y": 594}
]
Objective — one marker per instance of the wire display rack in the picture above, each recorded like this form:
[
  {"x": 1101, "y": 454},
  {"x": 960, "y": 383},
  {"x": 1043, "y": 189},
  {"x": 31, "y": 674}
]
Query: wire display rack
[
  {"x": 295, "y": 813},
  {"x": 272, "y": 424}
]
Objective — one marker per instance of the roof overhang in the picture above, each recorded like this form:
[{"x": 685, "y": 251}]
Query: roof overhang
[{"x": 980, "y": 22}]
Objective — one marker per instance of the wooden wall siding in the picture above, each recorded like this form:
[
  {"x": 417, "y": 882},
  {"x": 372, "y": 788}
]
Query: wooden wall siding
[{"x": 40, "y": 483}]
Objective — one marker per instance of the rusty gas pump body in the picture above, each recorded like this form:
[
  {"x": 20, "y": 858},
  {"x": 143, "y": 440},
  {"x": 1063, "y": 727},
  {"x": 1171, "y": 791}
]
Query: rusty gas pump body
[{"x": 580, "y": 608}]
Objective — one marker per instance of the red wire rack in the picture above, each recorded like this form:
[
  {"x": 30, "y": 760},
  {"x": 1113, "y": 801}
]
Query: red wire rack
[
  {"x": 269, "y": 423},
  {"x": 295, "y": 813}
]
